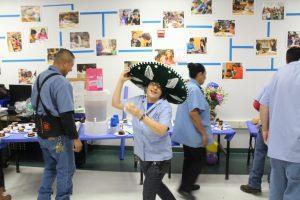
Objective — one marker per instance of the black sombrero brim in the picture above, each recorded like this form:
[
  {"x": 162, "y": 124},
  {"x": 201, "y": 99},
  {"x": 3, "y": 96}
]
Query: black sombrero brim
[{"x": 145, "y": 72}]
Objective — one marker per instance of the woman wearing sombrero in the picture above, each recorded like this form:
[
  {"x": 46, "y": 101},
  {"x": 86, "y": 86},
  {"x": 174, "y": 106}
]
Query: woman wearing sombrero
[{"x": 152, "y": 116}]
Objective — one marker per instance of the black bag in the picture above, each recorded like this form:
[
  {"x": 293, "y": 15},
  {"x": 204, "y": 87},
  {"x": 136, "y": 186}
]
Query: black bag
[{"x": 47, "y": 125}]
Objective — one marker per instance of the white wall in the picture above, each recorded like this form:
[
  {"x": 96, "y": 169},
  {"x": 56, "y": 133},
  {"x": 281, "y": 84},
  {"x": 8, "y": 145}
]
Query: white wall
[{"x": 238, "y": 107}]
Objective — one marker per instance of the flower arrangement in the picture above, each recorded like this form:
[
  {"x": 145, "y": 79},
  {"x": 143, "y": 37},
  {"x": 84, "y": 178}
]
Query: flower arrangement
[{"x": 215, "y": 96}]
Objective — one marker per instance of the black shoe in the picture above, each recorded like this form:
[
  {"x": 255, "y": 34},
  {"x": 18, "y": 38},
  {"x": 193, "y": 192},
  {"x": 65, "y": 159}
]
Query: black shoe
[
  {"x": 195, "y": 187},
  {"x": 186, "y": 195},
  {"x": 249, "y": 189}
]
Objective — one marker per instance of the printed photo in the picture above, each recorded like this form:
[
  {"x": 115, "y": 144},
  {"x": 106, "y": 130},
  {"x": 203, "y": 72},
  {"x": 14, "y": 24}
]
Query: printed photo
[
  {"x": 130, "y": 63},
  {"x": 266, "y": 47},
  {"x": 68, "y": 19},
  {"x": 30, "y": 13},
  {"x": 161, "y": 33},
  {"x": 14, "y": 41},
  {"x": 79, "y": 40},
  {"x": 129, "y": 17},
  {"x": 224, "y": 28},
  {"x": 197, "y": 45},
  {"x": 81, "y": 69},
  {"x": 106, "y": 47},
  {"x": 293, "y": 38},
  {"x": 243, "y": 7},
  {"x": 165, "y": 56},
  {"x": 201, "y": 7},
  {"x": 27, "y": 76},
  {"x": 173, "y": 19},
  {"x": 273, "y": 10},
  {"x": 232, "y": 70},
  {"x": 140, "y": 39},
  {"x": 38, "y": 34},
  {"x": 51, "y": 53}
]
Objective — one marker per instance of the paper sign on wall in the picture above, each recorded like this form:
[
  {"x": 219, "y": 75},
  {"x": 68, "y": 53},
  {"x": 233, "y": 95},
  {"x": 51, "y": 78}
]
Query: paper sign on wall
[{"x": 94, "y": 79}]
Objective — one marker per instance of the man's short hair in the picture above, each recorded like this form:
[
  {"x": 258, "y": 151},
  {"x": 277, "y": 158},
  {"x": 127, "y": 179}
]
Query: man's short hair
[
  {"x": 63, "y": 55},
  {"x": 293, "y": 54}
]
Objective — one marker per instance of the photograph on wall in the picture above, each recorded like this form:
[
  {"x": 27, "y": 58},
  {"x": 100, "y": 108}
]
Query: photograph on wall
[
  {"x": 161, "y": 33},
  {"x": 140, "y": 39},
  {"x": 50, "y": 54},
  {"x": 293, "y": 38},
  {"x": 197, "y": 45},
  {"x": 129, "y": 17},
  {"x": 106, "y": 47},
  {"x": 68, "y": 19},
  {"x": 231, "y": 70},
  {"x": 27, "y": 76},
  {"x": 201, "y": 7},
  {"x": 81, "y": 69},
  {"x": 266, "y": 47},
  {"x": 165, "y": 56},
  {"x": 243, "y": 7},
  {"x": 273, "y": 10},
  {"x": 79, "y": 40},
  {"x": 130, "y": 63},
  {"x": 38, "y": 34},
  {"x": 173, "y": 19},
  {"x": 14, "y": 41},
  {"x": 30, "y": 13},
  {"x": 224, "y": 28}
]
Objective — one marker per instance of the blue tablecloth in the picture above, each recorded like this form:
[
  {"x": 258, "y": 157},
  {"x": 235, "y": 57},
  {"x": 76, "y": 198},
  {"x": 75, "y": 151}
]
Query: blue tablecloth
[{"x": 252, "y": 128}]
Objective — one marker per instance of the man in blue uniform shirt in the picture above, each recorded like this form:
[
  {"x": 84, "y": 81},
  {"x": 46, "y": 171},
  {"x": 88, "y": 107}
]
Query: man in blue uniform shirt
[
  {"x": 280, "y": 114},
  {"x": 52, "y": 100}
]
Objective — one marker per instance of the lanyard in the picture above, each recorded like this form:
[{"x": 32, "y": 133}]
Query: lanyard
[{"x": 152, "y": 107}]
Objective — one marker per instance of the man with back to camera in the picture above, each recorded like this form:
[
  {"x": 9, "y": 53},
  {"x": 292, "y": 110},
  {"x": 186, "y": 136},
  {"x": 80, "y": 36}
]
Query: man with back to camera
[
  {"x": 52, "y": 100},
  {"x": 261, "y": 149},
  {"x": 280, "y": 114}
]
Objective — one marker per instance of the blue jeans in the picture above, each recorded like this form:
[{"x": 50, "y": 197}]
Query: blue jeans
[
  {"x": 257, "y": 171},
  {"x": 59, "y": 165},
  {"x": 285, "y": 180}
]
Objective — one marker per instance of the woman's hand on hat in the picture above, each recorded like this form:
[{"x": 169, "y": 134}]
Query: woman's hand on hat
[
  {"x": 133, "y": 110},
  {"x": 125, "y": 75}
]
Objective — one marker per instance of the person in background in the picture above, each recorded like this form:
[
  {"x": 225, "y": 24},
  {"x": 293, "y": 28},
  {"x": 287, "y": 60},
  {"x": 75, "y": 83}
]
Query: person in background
[
  {"x": 52, "y": 101},
  {"x": 151, "y": 120},
  {"x": 280, "y": 114},
  {"x": 3, "y": 195},
  {"x": 192, "y": 129},
  {"x": 260, "y": 153}
]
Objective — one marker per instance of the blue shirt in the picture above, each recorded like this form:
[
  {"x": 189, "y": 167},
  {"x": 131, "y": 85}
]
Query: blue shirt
[
  {"x": 184, "y": 130},
  {"x": 283, "y": 99},
  {"x": 260, "y": 94},
  {"x": 56, "y": 94},
  {"x": 149, "y": 146}
]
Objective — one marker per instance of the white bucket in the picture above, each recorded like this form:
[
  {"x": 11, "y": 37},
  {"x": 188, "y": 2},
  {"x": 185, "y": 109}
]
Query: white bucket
[
  {"x": 96, "y": 105},
  {"x": 95, "y": 128}
]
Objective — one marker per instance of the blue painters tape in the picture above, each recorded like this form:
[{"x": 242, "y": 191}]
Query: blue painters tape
[
  {"x": 103, "y": 25},
  {"x": 272, "y": 63},
  {"x": 135, "y": 50},
  {"x": 60, "y": 38},
  {"x": 268, "y": 29},
  {"x": 9, "y": 15},
  {"x": 261, "y": 70},
  {"x": 230, "y": 49},
  {"x": 242, "y": 47},
  {"x": 292, "y": 14},
  {"x": 199, "y": 26},
  {"x": 83, "y": 51},
  {"x": 2, "y": 37},
  {"x": 98, "y": 12},
  {"x": 151, "y": 22},
  {"x": 23, "y": 60}
]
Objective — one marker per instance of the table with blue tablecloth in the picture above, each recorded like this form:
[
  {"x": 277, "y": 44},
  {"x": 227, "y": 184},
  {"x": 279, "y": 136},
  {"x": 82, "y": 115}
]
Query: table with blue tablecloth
[
  {"x": 253, "y": 131},
  {"x": 228, "y": 134}
]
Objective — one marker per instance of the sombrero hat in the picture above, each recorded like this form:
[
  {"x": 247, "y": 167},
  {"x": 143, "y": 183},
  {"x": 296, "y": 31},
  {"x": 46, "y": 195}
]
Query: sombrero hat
[{"x": 172, "y": 83}]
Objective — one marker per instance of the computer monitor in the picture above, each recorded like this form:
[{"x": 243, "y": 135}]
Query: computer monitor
[{"x": 19, "y": 93}]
